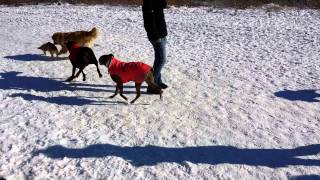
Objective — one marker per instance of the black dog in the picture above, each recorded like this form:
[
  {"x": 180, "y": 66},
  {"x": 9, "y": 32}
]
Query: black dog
[
  {"x": 123, "y": 72},
  {"x": 80, "y": 57}
]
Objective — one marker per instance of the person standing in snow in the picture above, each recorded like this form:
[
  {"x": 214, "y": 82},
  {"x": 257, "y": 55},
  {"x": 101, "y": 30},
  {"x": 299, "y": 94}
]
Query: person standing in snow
[{"x": 156, "y": 28}]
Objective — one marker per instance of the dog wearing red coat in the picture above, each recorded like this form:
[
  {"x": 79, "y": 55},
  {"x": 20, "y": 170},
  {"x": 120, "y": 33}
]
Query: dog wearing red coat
[
  {"x": 81, "y": 57},
  {"x": 123, "y": 72}
]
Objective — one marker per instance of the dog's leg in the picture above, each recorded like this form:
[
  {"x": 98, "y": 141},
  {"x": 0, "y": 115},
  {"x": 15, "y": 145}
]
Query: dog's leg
[
  {"x": 78, "y": 73},
  {"x": 150, "y": 81},
  {"x": 119, "y": 82},
  {"x": 64, "y": 49},
  {"x": 115, "y": 93},
  {"x": 83, "y": 76},
  {"x": 120, "y": 85},
  {"x": 100, "y": 75},
  {"x": 72, "y": 76},
  {"x": 95, "y": 62},
  {"x": 138, "y": 86}
]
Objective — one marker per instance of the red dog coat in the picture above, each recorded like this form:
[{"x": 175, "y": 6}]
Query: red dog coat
[
  {"x": 73, "y": 52},
  {"x": 129, "y": 71}
]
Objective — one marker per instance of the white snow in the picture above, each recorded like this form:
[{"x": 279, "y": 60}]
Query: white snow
[{"x": 243, "y": 102}]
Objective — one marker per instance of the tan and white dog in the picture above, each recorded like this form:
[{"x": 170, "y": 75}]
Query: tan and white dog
[{"x": 83, "y": 38}]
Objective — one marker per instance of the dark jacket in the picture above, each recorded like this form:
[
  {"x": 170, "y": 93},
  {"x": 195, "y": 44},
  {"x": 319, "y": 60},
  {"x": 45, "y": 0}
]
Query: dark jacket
[{"x": 153, "y": 17}]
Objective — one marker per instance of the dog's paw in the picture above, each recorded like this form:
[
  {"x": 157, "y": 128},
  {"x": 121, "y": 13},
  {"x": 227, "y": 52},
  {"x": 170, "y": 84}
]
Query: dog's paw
[
  {"x": 69, "y": 79},
  {"x": 100, "y": 75}
]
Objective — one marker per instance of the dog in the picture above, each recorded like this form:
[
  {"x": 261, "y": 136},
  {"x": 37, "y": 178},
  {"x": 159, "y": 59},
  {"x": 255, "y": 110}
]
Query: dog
[
  {"x": 123, "y": 72},
  {"x": 83, "y": 38},
  {"x": 81, "y": 57},
  {"x": 49, "y": 47}
]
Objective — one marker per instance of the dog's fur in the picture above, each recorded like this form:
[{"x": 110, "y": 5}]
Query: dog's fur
[
  {"x": 84, "y": 57},
  {"x": 149, "y": 79},
  {"x": 49, "y": 47},
  {"x": 83, "y": 38}
]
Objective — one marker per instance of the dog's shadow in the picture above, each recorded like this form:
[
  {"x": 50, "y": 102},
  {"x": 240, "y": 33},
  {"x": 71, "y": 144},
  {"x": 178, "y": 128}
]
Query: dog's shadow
[
  {"x": 308, "y": 95},
  {"x": 65, "y": 100},
  {"x": 35, "y": 57},
  {"x": 13, "y": 80}
]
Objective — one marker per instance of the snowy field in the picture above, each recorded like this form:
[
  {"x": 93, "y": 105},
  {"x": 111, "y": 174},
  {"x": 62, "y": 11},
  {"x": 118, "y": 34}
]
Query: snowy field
[{"x": 243, "y": 102}]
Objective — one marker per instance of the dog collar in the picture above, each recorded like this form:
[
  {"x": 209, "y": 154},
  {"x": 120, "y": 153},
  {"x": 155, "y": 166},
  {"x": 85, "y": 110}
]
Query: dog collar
[
  {"x": 75, "y": 46},
  {"x": 113, "y": 59}
]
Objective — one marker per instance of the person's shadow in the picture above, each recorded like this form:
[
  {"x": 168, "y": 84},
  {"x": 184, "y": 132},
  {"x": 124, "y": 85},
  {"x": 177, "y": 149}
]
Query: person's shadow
[
  {"x": 306, "y": 177},
  {"x": 308, "y": 95},
  {"x": 214, "y": 155},
  {"x": 34, "y": 57}
]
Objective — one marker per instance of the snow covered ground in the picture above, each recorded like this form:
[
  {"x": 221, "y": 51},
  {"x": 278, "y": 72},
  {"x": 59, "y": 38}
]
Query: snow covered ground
[{"x": 243, "y": 102}]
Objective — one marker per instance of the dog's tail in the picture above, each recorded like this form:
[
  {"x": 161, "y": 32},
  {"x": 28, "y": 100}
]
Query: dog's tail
[
  {"x": 95, "y": 32},
  {"x": 152, "y": 84}
]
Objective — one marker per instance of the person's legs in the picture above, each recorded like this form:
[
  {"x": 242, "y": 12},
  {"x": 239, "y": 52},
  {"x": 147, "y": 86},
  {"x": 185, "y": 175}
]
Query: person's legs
[{"x": 160, "y": 59}]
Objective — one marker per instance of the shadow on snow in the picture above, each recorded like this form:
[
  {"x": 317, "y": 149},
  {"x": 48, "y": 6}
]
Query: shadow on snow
[
  {"x": 152, "y": 155},
  {"x": 34, "y": 57},
  {"x": 306, "y": 177},
  {"x": 64, "y": 100},
  {"x": 11, "y": 80},
  {"x": 300, "y": 95}
]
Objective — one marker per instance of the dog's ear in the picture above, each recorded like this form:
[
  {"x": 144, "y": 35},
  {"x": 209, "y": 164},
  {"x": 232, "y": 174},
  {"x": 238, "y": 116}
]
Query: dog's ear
[{"x": 109, "y": 57}]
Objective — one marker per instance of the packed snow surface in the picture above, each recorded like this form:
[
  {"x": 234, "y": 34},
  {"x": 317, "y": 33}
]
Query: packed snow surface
[{"x": 243, "y": 100}]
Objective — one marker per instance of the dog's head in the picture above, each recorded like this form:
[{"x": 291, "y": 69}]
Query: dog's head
[
  {"x": 41, "y": 47},
  {"x": 56, "y": 38},
  {"x": 105, "y": 59},
  {"x": 60, "y": 37},
  {"x": 70, "y": 44}
]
